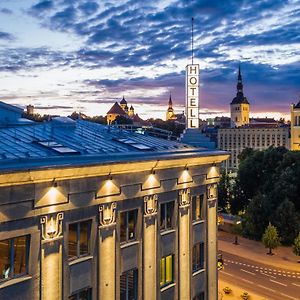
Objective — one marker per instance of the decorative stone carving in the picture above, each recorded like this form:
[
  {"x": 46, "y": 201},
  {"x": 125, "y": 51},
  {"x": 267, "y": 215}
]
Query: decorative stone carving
[
  {"x": 212, "y": 191},
  {"x": 150, "y": 205},
  {"x": 52, "y": 229},
  {"x": 184, "y": 198},
  {"x": 107, "y": 214}
]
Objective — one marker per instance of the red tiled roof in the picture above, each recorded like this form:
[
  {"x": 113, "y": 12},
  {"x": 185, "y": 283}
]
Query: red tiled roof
[{"x": 116, "y": 109}]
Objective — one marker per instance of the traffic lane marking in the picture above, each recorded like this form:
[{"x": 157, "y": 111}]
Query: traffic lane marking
[
  {"x": 295, "y": 284},
  {"x": 278, "y": 282},
  {"x": 275, "y": 271},
  {"x": 285, "y": 295},
  {"x": 268, "y": 275},
  {"x": 247, "y": 272},
  {"x": 264, "y": 287}
]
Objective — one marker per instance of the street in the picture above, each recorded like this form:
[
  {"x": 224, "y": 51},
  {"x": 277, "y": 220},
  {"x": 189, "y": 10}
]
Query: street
[{"x": 271, "y": 282}]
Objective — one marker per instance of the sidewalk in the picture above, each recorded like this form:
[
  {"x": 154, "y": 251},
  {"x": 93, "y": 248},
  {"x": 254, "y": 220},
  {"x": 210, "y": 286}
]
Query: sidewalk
[{"x": 283, "y": 256}]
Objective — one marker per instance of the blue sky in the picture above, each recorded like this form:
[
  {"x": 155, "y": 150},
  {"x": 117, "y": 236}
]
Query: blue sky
[{"x": 63, "y": 55}]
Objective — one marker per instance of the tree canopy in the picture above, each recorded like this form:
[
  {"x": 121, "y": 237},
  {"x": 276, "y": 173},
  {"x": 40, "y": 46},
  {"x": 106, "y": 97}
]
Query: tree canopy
[{"x": 267, "y": 189}]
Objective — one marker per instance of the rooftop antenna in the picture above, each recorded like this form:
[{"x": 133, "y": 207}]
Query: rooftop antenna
[{"x": 192, "y": 41}]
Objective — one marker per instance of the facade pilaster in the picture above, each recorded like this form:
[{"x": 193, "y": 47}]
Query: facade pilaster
[
  {"x": 212, "y": 242},
  {"x": 150, "y": 248},
  {"x": 184, "y": 245},
  {"x": 51, "y": 256},
  {"x": 107, "y": 251}
]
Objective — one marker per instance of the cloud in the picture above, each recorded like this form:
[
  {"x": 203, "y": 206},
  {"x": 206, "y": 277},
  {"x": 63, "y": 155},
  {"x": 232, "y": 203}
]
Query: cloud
[
  {"x": 6, "y": 36},
  {"x": 146, "y": 46},
  {"x": 6, "y": 11}
]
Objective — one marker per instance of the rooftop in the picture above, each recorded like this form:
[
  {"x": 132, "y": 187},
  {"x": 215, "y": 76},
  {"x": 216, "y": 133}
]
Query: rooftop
[{"x": 63, "y": 141}]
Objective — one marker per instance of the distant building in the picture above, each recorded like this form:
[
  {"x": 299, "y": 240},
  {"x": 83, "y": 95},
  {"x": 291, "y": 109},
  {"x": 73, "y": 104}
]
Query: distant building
[
  {"x": 122, "y": 110},
  {"x": 255, "y": 133},
  {"x": 115, "y": 111},
  {"x": 295, "y": 126},
  {"x": 91, "y": 212},
  {"x": 239, "y": 106},
  {"x": 170, "y": 115},
  {"x": 30, "y": 109},
  {"x": 235, "y": 140}
]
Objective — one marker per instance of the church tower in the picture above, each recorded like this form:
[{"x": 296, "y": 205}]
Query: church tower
[
  {"x": 123, "y": 104},
  {"x": 170, "y": 112},
  {"x": 131, "y": 112},
  {"x": 295, "y": 126},
  {"x": 239, "y": 106}
]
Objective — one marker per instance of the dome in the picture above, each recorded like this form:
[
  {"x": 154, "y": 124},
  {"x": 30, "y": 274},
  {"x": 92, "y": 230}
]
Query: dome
[{"x": 123, "y": 101}]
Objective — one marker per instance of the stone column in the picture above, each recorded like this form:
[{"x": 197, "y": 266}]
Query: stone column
[
  {"x": 107, "y": 251},
  {"x": 184, "y": 245},
  {"x": 51, "y": 257},
  {"x": 150, "y": 248},
  {"x": 211, "y": 261}
]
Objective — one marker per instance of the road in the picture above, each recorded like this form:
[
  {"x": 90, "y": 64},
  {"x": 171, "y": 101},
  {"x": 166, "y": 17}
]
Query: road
[{"x": 265, "y": 280}]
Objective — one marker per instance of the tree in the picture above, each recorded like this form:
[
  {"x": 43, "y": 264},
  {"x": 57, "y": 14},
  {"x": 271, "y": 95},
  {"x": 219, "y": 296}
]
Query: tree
[
  {"x": 224, "y": 191},
  {"x": 296, "y": 246},
  {"x": 270, "y": 238},
  {"x": 286, "y": 220},
  {"x": 256, "y": 217}
]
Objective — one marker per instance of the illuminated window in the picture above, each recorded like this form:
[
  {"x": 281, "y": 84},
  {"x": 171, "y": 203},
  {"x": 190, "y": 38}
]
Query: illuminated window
[
  {"x": 14, "y": 257},
  {"x": 129, "y": 285},
  {"x": 128, "y": 225},
  {"x": 166, "y": 270},
  {"x": 166, "y": 215},
  {"x": 198, "y": 257},
  {"x": 79, "y": 236},
  {"x": 199, "y": 296},
  {"x": 85, "y": 294},
  {"x": 197, "y": 207}
]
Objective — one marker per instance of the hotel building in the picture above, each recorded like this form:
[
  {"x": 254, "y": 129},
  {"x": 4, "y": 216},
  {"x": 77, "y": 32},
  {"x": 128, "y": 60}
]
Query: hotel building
[{"x": 93, "y": 212}]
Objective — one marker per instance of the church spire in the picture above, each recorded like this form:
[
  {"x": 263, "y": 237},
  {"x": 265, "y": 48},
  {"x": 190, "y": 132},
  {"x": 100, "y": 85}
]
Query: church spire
[
  {"x": 170, "y": 102},
  {"x": 239, "y": 83}
]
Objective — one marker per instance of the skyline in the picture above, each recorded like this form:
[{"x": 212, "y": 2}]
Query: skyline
[{"x": 86, "y": 55}]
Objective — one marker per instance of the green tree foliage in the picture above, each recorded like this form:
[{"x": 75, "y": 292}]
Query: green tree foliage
[
  {"x": 286, "y": 220},
  {"x": 224, "y": 191},
  {"x": 296, "y": 246},
  {"x": 267, "y": 189},
  {"x": 123, "y": 120},
  {"x": 175, "y": 127},
  {"x": 256, "y": 217},
  {"x": 271, "y": 238}
]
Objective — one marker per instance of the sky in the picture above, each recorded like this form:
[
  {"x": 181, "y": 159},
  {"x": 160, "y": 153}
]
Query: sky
[{"x": 64, "y": 56}]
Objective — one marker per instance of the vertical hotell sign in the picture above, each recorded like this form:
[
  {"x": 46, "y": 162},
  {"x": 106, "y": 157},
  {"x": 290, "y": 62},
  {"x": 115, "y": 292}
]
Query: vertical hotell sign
[{"x": 192, "y": 96}]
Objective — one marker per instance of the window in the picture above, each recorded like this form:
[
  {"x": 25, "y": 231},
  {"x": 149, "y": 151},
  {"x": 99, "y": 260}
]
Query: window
[
  {"x": 128, "y": 226},
  {"x": 197, "y": 208},
  {"x": 199, "y": 296},
  {"x": 198, "y": 257},
  {"x": 166, "y": 270},
  {"x": 14, "y": 257},
  {"x": 166, "y": 215},
  {"x": 79, "y": 236},
  {"x": 85, "y": 294},
  {"x": 129, "y": 285}
]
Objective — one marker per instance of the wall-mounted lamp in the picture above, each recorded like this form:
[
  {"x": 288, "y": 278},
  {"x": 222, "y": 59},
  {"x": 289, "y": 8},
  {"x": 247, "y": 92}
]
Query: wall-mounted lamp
[
  {"x": 214, "y": 164},
  {"x": 109, "y": 177},
  {"x": 186, "y": 168},
  {"x": 152, "y": 171}
]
